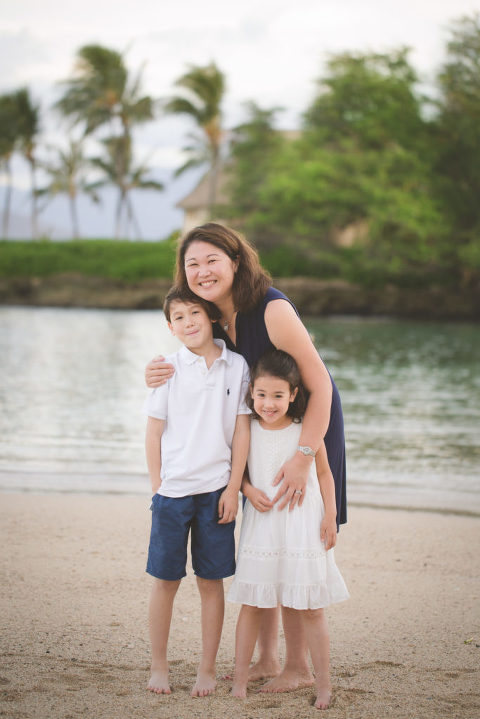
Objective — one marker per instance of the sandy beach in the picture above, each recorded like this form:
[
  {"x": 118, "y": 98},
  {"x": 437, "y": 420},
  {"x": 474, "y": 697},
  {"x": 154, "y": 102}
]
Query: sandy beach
[{"x": 74, "y": 598}]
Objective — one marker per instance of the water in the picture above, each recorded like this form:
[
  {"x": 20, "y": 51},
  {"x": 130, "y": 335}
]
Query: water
[{"x": 72, "y": 386}]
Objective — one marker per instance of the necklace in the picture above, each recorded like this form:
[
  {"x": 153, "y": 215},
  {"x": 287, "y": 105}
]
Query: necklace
[{"x": 226, "y": 324}]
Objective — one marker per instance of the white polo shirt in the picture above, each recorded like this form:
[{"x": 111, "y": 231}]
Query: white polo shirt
[{"x": 200, "y": 408}]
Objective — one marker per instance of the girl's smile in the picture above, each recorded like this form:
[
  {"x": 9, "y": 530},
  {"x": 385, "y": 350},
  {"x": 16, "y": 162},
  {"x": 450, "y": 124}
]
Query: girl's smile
[{"x": 271, "y": 399}]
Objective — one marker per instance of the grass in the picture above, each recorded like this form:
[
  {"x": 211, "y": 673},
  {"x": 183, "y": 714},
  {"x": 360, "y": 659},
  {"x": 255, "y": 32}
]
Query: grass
[
  {"x": 136, "y": 261},
  {"x": 116, "y": 259}
]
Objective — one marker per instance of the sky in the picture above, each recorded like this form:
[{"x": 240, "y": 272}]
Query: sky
[{"x": 271, "y": 51}]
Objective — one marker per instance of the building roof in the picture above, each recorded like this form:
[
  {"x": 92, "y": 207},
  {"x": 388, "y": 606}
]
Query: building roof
[{"x": 198, "y": 197}]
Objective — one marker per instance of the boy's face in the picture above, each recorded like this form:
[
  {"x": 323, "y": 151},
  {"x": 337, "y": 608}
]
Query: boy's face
[{"x": 192, "y": 325}]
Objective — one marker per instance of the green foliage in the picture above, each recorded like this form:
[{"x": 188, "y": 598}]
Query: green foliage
[
  {"x": 369, "y": 98},
  {"x": 129, "y": 261},
  {"x": 356, "y": 195},
  {"x": 458, "y": 130}
]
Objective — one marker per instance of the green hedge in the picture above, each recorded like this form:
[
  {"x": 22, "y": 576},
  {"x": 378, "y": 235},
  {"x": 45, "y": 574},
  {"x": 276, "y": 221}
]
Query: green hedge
[
  {"x": 135, "y": 261},
  {"x": 117, "y": 259}
]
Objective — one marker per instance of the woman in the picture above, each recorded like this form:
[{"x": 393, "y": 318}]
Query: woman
[{"x": 218, "y": 265}]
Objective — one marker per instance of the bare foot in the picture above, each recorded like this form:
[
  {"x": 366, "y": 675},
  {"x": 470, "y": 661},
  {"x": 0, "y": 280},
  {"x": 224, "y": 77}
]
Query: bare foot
[
  {"x": 323, "y": 698},
  {"x": 158, "y": 682},
  {"x": 260, "y": 670},
  {"x": 263, "y": 670},
  {"x": 239, "y": 690},
  {"x": 288, "y": 681},
  {"x": 205, "y": 685}
]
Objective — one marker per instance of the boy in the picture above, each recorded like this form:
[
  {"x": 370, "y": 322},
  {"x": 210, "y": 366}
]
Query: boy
[{"x": 196, "y": 446}]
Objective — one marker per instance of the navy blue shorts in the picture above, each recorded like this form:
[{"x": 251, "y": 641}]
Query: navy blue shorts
[{"x": 212, "y": 544}]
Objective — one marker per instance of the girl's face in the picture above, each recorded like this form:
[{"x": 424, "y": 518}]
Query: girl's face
[
  {"x": 210, "y": 271},
  {"x": 271, "y": 398}
]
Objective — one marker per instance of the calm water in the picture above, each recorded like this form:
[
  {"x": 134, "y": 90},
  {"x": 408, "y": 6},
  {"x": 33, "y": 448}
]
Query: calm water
[{"x": 72, "y": 386}]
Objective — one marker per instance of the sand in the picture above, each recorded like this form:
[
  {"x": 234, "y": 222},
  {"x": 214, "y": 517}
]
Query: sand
[{"x": 74, "y": 599}]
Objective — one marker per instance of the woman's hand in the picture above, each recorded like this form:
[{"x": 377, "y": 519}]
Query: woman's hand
[
  {"x": 294, "y": 474},
  {"x": 328, "y": 531},
  {"x": 157, "y": 372}
]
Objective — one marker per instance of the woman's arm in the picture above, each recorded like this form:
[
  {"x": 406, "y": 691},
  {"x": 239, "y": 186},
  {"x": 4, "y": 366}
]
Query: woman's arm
[
  {"x": 287, "y": 332},
  {"x": 157, "y": 372}
]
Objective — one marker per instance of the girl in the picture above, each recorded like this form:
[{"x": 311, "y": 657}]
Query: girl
[{"x": 285, "y": 557}]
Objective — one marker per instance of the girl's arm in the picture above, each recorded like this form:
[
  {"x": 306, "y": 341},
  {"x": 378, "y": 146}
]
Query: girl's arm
[
  {"x": 228, "y": 503},
  {"x": 157, "y": 372},
  {"x": 287, "y": 332},
  {"x": 153, "y": 439},
  {"x": 255, "y": 496},
  {"x": 328, "y": 526}
]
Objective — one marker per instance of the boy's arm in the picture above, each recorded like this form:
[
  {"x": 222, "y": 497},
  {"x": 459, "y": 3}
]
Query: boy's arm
[
  {"x": 328, "y": 526},
  {"x": 153, "y": 437},
  {"x": 228, "y": 503}
]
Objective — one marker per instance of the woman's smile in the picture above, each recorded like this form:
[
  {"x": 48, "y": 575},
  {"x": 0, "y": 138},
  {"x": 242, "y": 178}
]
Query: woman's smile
[{"x": 209, "y": 270}]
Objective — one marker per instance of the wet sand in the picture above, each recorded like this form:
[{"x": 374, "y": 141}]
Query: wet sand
[{"x": 74, "y": 597}]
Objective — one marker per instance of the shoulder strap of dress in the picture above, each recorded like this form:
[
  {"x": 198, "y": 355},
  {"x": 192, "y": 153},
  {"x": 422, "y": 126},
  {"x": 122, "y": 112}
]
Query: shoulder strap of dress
[{"x": 273, "y": 294}]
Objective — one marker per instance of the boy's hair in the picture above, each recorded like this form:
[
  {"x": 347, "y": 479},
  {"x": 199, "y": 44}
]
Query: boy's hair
[
  {"x": 277, "y": 363},
  {"x": 184, "y": 294}
]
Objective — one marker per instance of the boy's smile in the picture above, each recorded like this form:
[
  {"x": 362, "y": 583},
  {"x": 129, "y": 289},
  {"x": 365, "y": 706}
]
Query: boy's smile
[{"x": 192, "y": 325}]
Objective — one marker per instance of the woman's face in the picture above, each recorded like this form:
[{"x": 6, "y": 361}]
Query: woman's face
[{"x": 209, "y": 271}]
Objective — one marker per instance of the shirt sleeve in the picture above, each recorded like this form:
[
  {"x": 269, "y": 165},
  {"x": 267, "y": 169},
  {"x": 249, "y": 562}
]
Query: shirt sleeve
[
  {"x": 155, "y": 404},
  {"x": 242, "y": 404}
]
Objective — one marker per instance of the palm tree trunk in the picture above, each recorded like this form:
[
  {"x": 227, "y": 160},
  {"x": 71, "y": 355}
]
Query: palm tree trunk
[
  {"x": 212, "y": 185},
  {"x": 133, "y": 219},
  {"x": 74, "y": 217},
  {"x": 34, "y": 199},
  {"x": 8, "y": 200},
  {"x": 118, "y": 213}
]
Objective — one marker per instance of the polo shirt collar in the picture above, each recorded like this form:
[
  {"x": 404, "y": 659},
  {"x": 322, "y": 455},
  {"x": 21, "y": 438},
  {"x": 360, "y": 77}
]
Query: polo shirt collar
[{"x": 190, "y": 357}]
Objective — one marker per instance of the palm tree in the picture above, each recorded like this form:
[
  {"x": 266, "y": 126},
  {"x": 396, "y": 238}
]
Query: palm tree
[
  {"x": 103, "y": 92},
  {"x": 27, "y": 131},
  {"x": 67, "y": 176},
  {"x": 118, "y": 169},
  {"x": 8, "y": 137},
  {"x": 204, "y": 89}
]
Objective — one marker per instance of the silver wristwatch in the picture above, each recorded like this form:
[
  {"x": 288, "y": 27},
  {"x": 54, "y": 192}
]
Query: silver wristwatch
[{"x": 306, "y": 451}]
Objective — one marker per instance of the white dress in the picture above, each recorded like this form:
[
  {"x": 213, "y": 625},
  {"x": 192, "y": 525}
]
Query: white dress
[{"x": 281, "y": 559}]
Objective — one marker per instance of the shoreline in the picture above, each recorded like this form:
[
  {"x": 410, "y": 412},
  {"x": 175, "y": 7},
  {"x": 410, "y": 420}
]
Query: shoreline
[
  {"x": 311, "y": 296},
  {"x": 354, "y": 504},
  {"x": 406, "y": 644}
]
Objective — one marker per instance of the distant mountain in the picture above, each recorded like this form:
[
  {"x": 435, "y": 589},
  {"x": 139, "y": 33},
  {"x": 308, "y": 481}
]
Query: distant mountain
[{"x": 156, "y": 212}]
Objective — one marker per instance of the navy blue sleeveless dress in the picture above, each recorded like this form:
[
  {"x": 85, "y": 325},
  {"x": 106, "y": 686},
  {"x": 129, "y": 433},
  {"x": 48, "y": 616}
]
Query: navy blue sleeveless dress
[{"x": 252, "y": 342}]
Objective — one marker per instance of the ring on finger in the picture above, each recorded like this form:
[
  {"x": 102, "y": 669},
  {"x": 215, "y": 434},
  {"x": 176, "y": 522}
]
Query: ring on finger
[{"x": 298, "y": 491}]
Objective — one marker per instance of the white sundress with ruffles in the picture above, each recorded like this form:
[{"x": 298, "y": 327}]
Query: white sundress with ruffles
[{"x": 281, "y": 559}]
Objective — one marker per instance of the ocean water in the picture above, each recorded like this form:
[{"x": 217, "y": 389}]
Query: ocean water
[{"x": 72, "y": 387}]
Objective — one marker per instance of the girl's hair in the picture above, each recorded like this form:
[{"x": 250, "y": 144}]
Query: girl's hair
[
  {"x": 185, "y": 295},
  {"x": 250, "y": 282},
  {"x": 277, "y": 363}
]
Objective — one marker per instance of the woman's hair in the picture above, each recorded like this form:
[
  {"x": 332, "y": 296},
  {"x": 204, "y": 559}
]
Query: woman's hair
[
  {"x": 251, "y": 281},
  {"x": 277, "y": 363},
  {"x": 185, "y": 295}
]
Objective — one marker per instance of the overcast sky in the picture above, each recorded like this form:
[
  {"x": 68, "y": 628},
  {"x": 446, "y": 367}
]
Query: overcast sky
[{"x": 271, "y": 51}]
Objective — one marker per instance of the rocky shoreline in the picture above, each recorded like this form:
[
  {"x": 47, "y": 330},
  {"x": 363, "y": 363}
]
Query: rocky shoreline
[{"x": 311, "y": 296}]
